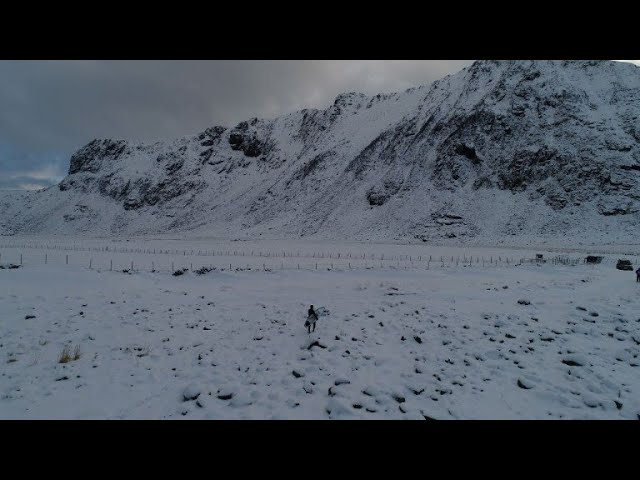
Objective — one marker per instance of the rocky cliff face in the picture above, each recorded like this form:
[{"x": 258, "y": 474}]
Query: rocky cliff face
[{"x": 502, "y": 148}]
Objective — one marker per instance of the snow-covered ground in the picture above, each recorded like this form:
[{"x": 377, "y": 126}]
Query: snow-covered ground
[{"x": 500, "y": 341}]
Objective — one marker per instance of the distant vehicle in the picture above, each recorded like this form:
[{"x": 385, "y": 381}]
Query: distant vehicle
[{"x": 624, "y": 265}]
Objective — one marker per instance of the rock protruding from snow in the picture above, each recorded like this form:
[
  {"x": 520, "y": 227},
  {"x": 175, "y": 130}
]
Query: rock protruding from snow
[{"x": 191, "y": 392}]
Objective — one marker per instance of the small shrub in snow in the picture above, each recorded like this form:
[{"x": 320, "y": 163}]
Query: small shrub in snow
[
  {"x": 177, "y": 273},
  {"x": 203, "y": 270},
  {"x": 66, "y": 356}
]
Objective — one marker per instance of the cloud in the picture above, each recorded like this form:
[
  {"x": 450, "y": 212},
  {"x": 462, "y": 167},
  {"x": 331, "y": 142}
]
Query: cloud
[
  {"x": 24, "y": 183},
  {"x": 62, "y": 105},
  {"x": 49, "y": 109}
]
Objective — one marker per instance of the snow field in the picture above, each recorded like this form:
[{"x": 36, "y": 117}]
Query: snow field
[{"x": 534, "y": 341}]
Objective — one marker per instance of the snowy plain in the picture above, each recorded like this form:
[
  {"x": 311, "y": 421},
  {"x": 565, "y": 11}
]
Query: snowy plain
[{"x": 404, "y": 338}]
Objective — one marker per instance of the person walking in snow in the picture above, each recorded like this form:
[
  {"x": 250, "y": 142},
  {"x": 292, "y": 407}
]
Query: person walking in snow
[
  {"x": 312, "y": 318},
  {"x": 638, "y": 275}
]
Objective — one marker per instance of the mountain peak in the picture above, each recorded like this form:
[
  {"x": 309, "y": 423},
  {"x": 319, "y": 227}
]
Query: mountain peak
[{"x": 350, "y": 98}]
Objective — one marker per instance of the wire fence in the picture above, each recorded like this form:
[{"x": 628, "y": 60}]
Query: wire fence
[
  {"x": 300, "y": 254},
  {"x": 172, "y": 261},
  {"x": 251, "y": 253}
]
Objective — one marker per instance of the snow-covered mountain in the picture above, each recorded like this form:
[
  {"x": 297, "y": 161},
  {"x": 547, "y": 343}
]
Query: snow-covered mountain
[{"x": 500, "y": 150}]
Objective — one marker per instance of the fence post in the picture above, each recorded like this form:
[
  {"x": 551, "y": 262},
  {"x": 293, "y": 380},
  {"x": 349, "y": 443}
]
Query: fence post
[
  {"x": 111, "y": 265},
  {"x": 67, "y": 260},
  {"x": 132, "y": 265},
  {"x": 45, "y": 258},
  {"x": 90, "y": 261},
  {"x": 20, "y": 259}
]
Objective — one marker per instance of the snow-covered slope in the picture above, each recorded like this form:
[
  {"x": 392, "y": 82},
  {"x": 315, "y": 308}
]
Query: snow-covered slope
[{"x": 502, "y": 149}]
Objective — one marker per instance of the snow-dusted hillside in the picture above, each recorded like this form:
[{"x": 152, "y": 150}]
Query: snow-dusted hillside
[{"x": 502, "y": 149}]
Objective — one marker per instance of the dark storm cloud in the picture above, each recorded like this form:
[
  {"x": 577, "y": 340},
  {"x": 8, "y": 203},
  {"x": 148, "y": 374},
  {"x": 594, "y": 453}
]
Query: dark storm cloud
[{"x": 48, "y": 109}]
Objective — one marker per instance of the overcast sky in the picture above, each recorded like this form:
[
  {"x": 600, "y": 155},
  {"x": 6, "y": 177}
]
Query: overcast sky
[{"x": 49, "y": 109}]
